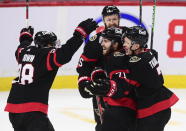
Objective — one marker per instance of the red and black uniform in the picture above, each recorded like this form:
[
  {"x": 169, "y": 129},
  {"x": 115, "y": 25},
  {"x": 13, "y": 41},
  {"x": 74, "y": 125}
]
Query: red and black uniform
[
  {"x": 91, "y": 57},
  {"x": 153, "y": 98},
  {"x": 120, "y": 111},
  {"x": 27, "y": 103},
  {"x": 38, "y": 68}
]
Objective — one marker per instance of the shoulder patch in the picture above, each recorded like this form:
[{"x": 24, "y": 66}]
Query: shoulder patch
[
  {"x": 93, "y": 38},
  {"x": 134, "y": 59},
  {"x": 116, "y": 54}
]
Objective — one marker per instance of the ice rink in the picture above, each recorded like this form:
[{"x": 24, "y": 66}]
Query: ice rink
[{"x": 69, "y": 112}]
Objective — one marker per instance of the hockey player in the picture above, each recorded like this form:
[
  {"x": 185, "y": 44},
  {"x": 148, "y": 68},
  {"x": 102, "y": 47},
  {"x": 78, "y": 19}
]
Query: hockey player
[
  {"x": 27, "y": 103},
  {"x": 154, "y": 100},
  {"x": 120, "y": 106},
  {"x": 92, "y": 57}
]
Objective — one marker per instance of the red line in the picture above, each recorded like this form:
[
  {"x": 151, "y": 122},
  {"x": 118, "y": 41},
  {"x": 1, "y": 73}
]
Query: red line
[{"x": 89, "y": 3}]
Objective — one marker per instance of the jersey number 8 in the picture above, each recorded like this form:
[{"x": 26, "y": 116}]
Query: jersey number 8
[{"x": 26, "y": 74}]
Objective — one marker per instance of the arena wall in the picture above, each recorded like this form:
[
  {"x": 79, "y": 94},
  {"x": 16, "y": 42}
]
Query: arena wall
[{"x": 169, "y": 37}]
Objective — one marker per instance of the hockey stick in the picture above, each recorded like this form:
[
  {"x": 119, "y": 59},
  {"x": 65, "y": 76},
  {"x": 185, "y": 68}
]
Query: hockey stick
[
  {"x": 153, "y": 22},
  {"x": 27, "y": 12},
  {"x": 100, "y": 108},
  {"x": 140, "y": 11},
  {"x": 99, "y": 74}
]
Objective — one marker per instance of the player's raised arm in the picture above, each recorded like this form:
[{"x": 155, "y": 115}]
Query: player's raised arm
[
  {"x": 25, "y": 39},
  {"x": 60, "y": 56}
]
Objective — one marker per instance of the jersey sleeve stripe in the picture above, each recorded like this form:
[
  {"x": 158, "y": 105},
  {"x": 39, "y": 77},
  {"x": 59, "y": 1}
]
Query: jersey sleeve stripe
[
  {"x": 55, "y": 60},
  {"x": 49, "y": 68},
  {"x": 132, "y": 82},
  {"x": 18, "y": 53},
  {"x": 87, "y": 59}
]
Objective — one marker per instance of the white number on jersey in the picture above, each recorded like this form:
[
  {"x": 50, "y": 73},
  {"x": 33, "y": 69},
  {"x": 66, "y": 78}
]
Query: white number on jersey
[
  {"x": 80, "y": 63},
  {"x": 158, "y": 70},
  {"x": 121, "y": 74},
  {"x": 26, "y": 74}
]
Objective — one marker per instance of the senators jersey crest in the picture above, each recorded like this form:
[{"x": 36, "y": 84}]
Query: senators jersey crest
[
  {"x": 93, "y": 38},
  {"x": 116, "y": 54},
  {"x": 134, "y": 59}
]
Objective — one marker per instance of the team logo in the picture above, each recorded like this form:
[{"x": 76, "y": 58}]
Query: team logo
[
  {"x": 93, "y": 38},
  {"x": 116, "y": 54},
  {"x": 134, "y": 59}
]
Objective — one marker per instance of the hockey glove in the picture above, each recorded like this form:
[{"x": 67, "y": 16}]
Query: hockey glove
[
  {"x": 102, "y": 85},
  {"x": 83, "y": 88},
  {"x": 85, "y": 28},
  {"x": 98, "y": 73},
  {"x": 26, "y": 34}
]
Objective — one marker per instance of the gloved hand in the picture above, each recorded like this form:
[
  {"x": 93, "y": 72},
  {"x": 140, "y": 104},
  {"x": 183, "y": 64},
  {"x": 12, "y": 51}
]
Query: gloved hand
[
  {"x": 83, "y": 88},
  {"x": 29, "y": 29},
  {"x": 26, "y": 34},
  {"x": 98, "y": 73},
  {"x": 85, "y": 28},
  {"x": 102, "y": 85}
]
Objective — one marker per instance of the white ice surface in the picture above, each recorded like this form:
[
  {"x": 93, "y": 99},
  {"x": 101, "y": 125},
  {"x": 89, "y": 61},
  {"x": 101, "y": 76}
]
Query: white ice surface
[{"x": 69, "y": 112}]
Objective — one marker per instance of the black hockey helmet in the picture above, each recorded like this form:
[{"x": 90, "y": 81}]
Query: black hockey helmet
[
  {"x": 43, "y": 38},
  {"x": 137, "y": 34},
  {"x": 114, "y": 34},
  {"x": 110, "y": 10}
]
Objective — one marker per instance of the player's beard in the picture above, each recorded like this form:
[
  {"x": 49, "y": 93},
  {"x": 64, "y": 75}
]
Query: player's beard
[
  {"x": 109, "y": 26},
  {"x": 109, "y": 50}
]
